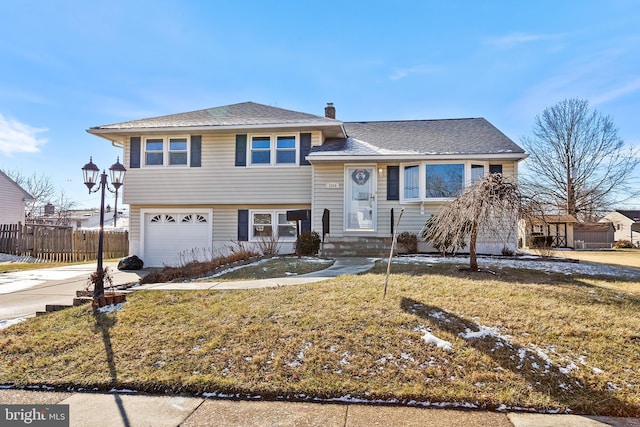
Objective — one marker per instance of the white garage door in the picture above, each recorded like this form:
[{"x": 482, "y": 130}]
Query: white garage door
[{"x": 167, "y": 235}]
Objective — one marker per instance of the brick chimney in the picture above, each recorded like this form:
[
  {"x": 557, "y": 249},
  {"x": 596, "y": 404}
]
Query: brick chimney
[{"x": 330, "y": 111}]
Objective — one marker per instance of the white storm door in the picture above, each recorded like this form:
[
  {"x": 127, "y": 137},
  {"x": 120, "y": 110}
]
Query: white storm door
[{"x": 360, "y": 198}]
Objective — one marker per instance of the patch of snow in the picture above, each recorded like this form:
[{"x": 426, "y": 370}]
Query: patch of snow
[
  {"x": 7, "y": 258},
  {"x": 429, "y": 338},
  {"x": 570, "y": 367},
  {"x": 597, "y": 370},
  {"x": 110, "y": 308},
  {"x": 482, "y": 332},
  {"x": 528, "y": 262},
  {"x": 7, "y": 323}
]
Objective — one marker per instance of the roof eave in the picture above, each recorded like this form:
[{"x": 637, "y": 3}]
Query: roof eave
[
  {"x": 414, "y": 156},
  {"x": 102, "y": 131}
]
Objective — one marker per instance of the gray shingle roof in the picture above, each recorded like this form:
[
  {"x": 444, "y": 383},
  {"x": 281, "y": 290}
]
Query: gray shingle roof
[
  {"x": 632, "y": 215},
  {"x": 243, "y": 114},
  {"x": 449, "y": 136}
]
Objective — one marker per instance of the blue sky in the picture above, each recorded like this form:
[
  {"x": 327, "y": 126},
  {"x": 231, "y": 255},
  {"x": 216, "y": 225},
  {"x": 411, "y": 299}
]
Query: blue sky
[{"x": 69, "y": 65}]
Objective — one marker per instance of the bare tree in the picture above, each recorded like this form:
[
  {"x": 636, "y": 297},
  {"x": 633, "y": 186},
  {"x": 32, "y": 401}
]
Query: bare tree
[
  {"x": 63, "y": 205},
  {"x": 489, "y": 207},
  {"x": 578, "y": 164}
]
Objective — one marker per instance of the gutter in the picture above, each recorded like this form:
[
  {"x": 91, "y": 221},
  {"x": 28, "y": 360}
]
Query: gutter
[
  {"x": 142, "y": 130},
  {"x": 417, "y": 157}
]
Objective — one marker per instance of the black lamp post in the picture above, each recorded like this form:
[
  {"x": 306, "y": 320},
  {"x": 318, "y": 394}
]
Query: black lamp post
[{"x": 91, "y": 173}]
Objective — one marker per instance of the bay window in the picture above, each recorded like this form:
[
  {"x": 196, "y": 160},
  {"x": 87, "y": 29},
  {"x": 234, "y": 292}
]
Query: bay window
[{"x": 437, "y": 180}]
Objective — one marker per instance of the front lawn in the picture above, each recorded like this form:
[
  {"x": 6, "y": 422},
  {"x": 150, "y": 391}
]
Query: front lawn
[{"x": 509, "y": 340}]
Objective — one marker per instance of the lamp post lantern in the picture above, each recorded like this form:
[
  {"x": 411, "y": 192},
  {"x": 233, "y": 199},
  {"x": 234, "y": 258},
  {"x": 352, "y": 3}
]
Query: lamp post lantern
[{"x": 91, "y": 173}]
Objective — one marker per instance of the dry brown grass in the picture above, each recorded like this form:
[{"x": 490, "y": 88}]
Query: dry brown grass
[
  {"x": 559, "y": 342},
  {"x": 626, "y": 257}
]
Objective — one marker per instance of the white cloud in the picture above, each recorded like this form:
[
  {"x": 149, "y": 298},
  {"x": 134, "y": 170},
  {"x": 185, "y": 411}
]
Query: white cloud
[
  {"x": 401, "y": 73},
  {"x": 515, "y": 39},
  {"x": 16, "y": 137},
  {"x": 613, "y": 94}
]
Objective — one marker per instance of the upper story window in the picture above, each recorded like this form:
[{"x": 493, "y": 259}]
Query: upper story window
[
  {"x": 438, "y": 181},
  {"x": 154, "y": 151},
  {"x": 178, "y": 151},
  {"x": 261, "y": 150},
  {"x": 273, "y": 150},
  {"x": 173, "y": 151}
]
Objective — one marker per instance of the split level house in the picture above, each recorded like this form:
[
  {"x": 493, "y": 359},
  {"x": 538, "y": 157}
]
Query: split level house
[{"x": 212, "y": 178}]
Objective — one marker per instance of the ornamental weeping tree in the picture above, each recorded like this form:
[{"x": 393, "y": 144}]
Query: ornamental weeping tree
[{"x": 489, "y": 207}]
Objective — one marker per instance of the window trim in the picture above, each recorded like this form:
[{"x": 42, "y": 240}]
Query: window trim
[
  {"x": 273, "y": 149},
  {"x": 274, "y": 225},
  {"x": 166, "y": 151},
  {"x": 422, "y": 176}
]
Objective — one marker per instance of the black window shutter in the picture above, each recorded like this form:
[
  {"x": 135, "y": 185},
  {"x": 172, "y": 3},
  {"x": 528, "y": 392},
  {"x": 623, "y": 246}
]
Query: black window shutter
[
  {"x": 305, "y": 148},
  {"x": 305, "y": 224},
  {"x": 495, "y": 168},
  {"x": 241, "y": 150},
  {"x": 393, "y": 182},
  {"x": 243, "y": 225},
  {"x": 134, "y": 152},
  {"x": 196, "y": 151}
]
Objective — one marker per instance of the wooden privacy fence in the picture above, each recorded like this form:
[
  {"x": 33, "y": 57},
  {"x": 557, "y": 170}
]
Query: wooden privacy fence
[{"x": 59, "y": 243}]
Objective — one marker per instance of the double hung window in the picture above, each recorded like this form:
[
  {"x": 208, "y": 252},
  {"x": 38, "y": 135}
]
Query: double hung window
[
  {"x": 172, "y": 151},
  {"x": 178, "y": 151},
  {"x": 271, "y": 224},
  {"x": 274, "y": 150},
  {"x": 154, "y": 152}
]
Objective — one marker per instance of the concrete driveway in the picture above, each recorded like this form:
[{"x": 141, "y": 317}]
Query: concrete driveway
[{"x": 24, "y": 293}]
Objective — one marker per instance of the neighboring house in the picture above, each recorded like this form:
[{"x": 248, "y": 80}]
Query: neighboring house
[
  {"x": 209, "y": 178},
  {"x": 626, "y": 224},
  {"x": 552, "y": 231},
  {"x": 13, "y": 200},
  {"x": 90, "y": 218},
  {"x": 593, "y": 235}
]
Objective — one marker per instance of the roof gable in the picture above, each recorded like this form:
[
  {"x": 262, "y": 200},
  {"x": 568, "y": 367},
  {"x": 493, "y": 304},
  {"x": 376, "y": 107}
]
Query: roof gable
[
  {"x": 5, "y": 177},
  {"x": 632, "y": 215},
  {"x": 242, "y": 114}
]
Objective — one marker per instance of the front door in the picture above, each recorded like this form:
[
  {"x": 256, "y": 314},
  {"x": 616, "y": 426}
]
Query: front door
[{"x": 360, "y": 198}]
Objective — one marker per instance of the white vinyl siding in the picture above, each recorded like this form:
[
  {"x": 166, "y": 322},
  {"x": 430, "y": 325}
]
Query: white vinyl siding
[
  {"x": 12, "y": 204},
  {"x": 218, "y": 181}
]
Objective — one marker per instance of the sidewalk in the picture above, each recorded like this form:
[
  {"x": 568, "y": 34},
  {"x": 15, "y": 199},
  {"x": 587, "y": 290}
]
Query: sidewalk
[{"x": 127, "y": 409}]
